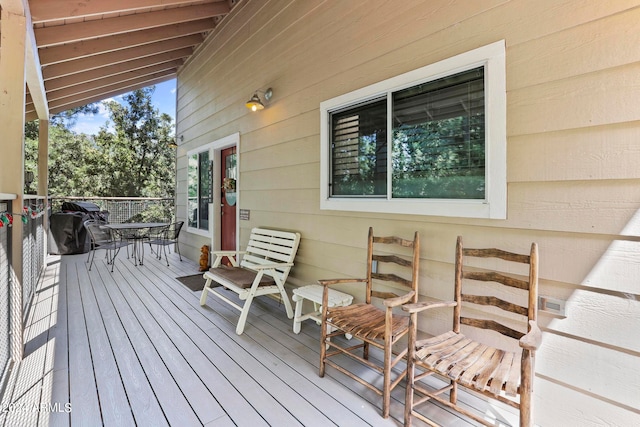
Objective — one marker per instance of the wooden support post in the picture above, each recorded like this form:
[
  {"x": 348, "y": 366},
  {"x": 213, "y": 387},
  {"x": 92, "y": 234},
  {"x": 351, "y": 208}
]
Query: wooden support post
[
  {"x": 12, "y": 101},
  {"x": 43, "y": 158},
  {"x": 43, "y": 178}
]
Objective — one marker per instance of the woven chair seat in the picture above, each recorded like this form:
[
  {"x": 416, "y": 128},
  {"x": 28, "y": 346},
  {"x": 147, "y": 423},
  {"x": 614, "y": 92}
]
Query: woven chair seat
[
  {"x": 365, "y": 321},
  {"x": 506, "y": 376},
  {"x": 472, "y": 364}
]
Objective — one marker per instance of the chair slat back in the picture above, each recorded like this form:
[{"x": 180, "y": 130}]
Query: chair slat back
[
  {"x": 525, "y": 289},
  {"x": 391, "y": 269},
  {"x": 174, "y": 230},
  {"x": 98, "y": 232},
  {"x": 269, "y": 247}
]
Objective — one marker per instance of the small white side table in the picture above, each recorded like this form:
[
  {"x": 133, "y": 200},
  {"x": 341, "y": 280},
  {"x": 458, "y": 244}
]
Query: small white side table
[{"x": 314, "y": 294}]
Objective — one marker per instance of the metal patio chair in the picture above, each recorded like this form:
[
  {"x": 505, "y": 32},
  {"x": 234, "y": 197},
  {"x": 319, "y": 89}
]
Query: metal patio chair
[
  {"x": 102, "y": 237},
  {"x": 166, "y": 236}
]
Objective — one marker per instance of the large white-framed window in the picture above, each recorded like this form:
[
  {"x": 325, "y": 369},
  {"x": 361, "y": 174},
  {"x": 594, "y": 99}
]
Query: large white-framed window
[
  {"x": 199, "y": 189},
  {"x": 428, "y": 142}
]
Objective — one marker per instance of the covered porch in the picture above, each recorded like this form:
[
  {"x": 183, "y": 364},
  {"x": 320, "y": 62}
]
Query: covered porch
[
  {"x": 134, "y": 347},
  {"x": 137, "y": 342}
]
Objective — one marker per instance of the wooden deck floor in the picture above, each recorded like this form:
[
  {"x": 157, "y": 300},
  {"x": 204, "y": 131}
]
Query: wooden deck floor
[{"x": 134, "y": 347}]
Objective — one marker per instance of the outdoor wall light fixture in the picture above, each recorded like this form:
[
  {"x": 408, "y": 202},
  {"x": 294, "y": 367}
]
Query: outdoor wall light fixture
[
  {"x": 173, "y": 144},
  {"x": 255, "y": 103}
]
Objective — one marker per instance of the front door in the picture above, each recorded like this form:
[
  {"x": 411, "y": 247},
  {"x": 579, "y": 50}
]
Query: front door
[{"x": 228, "y": 177}]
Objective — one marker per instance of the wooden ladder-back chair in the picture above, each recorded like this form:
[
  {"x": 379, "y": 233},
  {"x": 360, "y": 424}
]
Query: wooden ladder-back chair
[
  {"x": 500, "y": 374},
  {"x": 376, "y": 326}
]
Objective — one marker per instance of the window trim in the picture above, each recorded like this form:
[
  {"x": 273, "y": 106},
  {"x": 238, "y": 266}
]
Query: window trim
[
  {"x": 214, "y": 148},
  {"x": 494, "y": 206}
]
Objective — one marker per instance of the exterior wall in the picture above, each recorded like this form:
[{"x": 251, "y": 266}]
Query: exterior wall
[{"x": 573, "y": 122}]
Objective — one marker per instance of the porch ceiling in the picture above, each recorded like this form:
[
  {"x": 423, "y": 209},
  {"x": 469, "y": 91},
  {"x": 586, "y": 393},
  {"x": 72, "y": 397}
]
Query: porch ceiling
[{"x": 90, "y": 50}]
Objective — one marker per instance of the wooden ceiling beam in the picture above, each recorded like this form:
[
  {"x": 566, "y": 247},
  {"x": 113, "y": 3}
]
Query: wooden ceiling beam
[
  {"x": 55, "y": 34},
  {"x": 31, "y": 115},
  {"x": 88, "y": 98},
  {"x": 135, "y": 83},
  {"x": 33, "y": 69},
  {"x": 116, "y": 69},
  {"x": 66, "y": 52},
  {"x": 54, "y": 95},
  {"x": 105, "y": 59},
  {"x": 124, "y": 87},
  {"x": 33, "y": 74},
  {"x": 47, "y": 10}
]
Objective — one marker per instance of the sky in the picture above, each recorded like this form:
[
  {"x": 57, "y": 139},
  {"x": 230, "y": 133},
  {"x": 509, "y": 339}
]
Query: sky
[{"x": 164, "y": 99}]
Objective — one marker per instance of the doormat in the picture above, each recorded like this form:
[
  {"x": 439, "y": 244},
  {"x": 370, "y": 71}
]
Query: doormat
[{"x": 195, "y": 282}]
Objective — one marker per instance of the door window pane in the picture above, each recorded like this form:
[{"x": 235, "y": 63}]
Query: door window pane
[
  {"x": 192, "y": 191},
  {"x": 205, "y": 195},
  {"x": 199, "y": 190}
]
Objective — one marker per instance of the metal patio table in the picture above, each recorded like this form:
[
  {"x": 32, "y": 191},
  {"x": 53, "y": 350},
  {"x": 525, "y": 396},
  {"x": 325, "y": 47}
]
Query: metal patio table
[{"x": 136, "y": 232}]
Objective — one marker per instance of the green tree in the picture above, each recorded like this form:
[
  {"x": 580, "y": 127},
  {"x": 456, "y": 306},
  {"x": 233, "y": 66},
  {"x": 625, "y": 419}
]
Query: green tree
[
  {"x": 76, "y": 164},
  {"x": 141, "y": 161},
  {"x": 57, "y": 122},
  {"x": 130, "y": 156}
]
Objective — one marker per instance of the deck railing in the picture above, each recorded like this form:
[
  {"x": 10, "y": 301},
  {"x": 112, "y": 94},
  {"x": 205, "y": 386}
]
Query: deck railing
[
  {"x": 33, "y": 248},
  {"x": 6, "y": 206},
  {"x": 32, "y": 218},
  {"x": 126, "y": 209}
]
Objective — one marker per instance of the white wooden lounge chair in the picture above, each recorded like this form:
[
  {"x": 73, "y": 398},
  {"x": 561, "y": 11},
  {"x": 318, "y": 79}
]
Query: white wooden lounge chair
[{"x": 263, "y": 270}]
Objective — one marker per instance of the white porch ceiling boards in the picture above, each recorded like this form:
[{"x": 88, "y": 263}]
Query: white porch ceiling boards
[{"x": 89, "y": 50}]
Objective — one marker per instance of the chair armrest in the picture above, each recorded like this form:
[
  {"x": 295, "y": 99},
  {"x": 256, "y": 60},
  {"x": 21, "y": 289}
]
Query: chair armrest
[
  {"x": 231, "y": 255},
  {"x": 396, "y": 301},
  {"x": 426, "y": 305},
  {"x": 329, "y": 282},
  {"x": 271, "y": 266},
  {"x": 532, "y": 340}
]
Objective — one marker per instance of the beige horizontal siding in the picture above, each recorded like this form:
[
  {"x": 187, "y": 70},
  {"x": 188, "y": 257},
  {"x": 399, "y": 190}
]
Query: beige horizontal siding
[
  {"x": 585, "y": 154},
  {"x": 573, "y": 124}
]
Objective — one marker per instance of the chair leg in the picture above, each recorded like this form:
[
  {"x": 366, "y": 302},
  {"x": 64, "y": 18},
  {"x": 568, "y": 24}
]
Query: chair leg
[
  {"x": 453, "y": 394},
  {"x": 141, "y": 249},
  {"x": 178, "y": 250},
  {"x": 205, "y": 291},
  {"x": 408, "y": 398},
  {"x": 286, "y": 302},
  {"x": 410, "y": 375},
  {"x": 244, "y": 314},
  {"x": 526, "y": 404},
  {"x": 92, "y": 254},
  {"x": 166, "y": 258},
  {"x": 323, "y": 346},
  {"x": 386, "y": 380}
]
